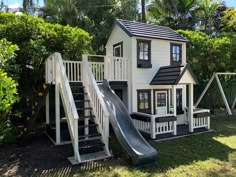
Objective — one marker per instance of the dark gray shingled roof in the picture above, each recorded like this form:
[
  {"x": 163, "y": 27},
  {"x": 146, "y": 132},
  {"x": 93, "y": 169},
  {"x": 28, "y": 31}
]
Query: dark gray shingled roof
[
  {"x": 149, "y": 31},
  {"x": 171, "y": 75}
]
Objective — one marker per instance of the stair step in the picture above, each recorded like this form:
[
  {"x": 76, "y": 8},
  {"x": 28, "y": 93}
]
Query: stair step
[
  {"x": 76, "y": 84},
  {"x": 89, "y": 136},
  {"x": 94, "y": 156},
  {"x": 81, "y": 101},
  {"x": 81, "y": 118},
  {"x": 79, "y": 93},
  {"x": 88, "y": 144},
  {"x": 81, "y": 109},
  {"x": 85, "y": 126}
]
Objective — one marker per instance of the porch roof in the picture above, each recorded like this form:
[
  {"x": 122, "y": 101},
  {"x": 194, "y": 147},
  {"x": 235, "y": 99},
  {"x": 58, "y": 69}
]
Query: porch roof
[{"x": 173, "y": 75}]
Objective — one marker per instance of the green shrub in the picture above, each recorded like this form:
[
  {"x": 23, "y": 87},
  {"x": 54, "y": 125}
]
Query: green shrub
[
  {"x": 8, "y": 90},
  {"x": 36, "y": 40}
]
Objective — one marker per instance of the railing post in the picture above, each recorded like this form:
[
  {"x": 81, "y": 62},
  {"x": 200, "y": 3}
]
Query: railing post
[
  {"x": 174, "y": 106},
  {"x": 106, "y": 68},
  {"x": 190, "y": 110},
  {"x": 106, "y": 136},
  {"x": 47, "y": 109},
  {"x": 153, "y": 127},
  {"x": 76, "y": 140},
  {"x": 57, "y": 104}
]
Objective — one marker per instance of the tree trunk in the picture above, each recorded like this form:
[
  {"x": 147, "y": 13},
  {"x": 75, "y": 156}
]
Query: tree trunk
[{"x": 143, "y": 11}]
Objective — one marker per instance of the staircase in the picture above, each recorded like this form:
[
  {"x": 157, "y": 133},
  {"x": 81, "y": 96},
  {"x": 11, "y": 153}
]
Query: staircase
[{"x": 86, "y": 121}]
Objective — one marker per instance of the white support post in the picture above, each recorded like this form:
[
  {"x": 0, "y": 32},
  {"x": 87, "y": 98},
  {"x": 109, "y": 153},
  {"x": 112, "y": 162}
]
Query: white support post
[
  {"x": 234, "y": 102},
  {"x": 57, "y": 107},
  {"x": 76, "y": 141},
  {"x": 47, "y": 109},
  {"x": 223, "y": 95},
  {"x": 106, "y": 67},
  {"x": 174, "y": 107},
  {"x": 152, "y": 104},
  {"x": 204, "y": 91},
  {"x": 208, "y": 122},
  {"x": 152, "y": 127},
  {"x": 86, "y": 113},
  {"x": 190, "y": 110}
]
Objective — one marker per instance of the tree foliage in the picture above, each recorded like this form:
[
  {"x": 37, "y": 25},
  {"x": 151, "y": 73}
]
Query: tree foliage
[
  {"x": 96, "y": 17},
  {"x": 36, "y": 40},
  {"x": 208, "y": 54},
  {"x": 185, "y": 14}
]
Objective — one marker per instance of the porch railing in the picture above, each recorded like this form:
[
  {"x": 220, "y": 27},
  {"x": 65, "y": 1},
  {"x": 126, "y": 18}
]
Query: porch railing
[
  {"x": 153, "y": 127},
  {"x": 203, "y": 120},
  {"x": 117, "y": 68},
  {"x": 56, "y": 72},
  {"x": 110, "y": 68},
  {"x": 97, "y": 102}
]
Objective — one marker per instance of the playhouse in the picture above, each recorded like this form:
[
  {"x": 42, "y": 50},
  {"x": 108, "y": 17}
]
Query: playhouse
[{"x": 148, "y": 88}]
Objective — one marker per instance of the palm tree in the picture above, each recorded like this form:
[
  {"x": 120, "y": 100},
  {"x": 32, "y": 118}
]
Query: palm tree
[
  {"x": 143, "y": 5},
  {"x": 62, "y": 11},
  {"x": 29, "y": 4},
  {"x": 174, "y": 13},
  {"x": 208, "y": 8}
]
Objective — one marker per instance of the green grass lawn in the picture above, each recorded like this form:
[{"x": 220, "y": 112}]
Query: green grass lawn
[{"x": 204, "y": 155}]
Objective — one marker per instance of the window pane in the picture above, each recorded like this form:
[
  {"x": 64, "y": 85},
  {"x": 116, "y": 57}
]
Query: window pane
[
  {"x": 143, "y": 102},
  {"x": 143, "y": 51},
  {"x": 117, "y": 50},
  {"x": 140, "y": 46},
  {"x": 141, "y": 55},
  {"x": 146, "y": 100},
  {"x": 145, "y": 55},
  {"x": 145, "y": 47},
  {"x": 176, "y": 53}
]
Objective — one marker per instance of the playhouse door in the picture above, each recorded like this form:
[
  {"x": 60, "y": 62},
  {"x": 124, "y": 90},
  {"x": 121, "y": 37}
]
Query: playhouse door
[{"x": 161, "y": 102}]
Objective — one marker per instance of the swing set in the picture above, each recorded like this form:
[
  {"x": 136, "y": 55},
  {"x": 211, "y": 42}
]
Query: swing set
[{"x": 216, "y": 76}]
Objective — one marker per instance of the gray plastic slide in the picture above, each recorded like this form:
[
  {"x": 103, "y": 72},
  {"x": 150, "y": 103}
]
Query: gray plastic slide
[{"x": 129, "y": 137}]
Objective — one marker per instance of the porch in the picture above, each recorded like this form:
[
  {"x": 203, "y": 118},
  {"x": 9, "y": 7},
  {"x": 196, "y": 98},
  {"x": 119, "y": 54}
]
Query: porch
[
  {"x": 161, "y": 127},
  {"x": 172, "y": 111}
]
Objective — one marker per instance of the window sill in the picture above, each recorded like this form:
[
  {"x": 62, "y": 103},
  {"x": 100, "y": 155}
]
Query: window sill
[{"x": 144, "y": 65}]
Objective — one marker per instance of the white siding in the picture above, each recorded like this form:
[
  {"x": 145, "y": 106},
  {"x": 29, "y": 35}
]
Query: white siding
[
  {"x": 160, "y": 56},
  {"x": 118, "y": 35},
  {"x": 140, "y": 78}
]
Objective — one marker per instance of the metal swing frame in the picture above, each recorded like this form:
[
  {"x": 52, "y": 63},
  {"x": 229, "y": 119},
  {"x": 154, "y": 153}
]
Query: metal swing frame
[{"x": 216, "y": 76}]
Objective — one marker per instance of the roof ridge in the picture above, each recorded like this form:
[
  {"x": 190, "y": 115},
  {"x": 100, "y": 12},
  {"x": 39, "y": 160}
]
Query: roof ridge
[{"x": 149, "y": 24}]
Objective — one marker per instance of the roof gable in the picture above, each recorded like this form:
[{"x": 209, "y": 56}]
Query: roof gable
[
  {"x": 149, "y": 31},
  {"x": 173, "y": 75}
]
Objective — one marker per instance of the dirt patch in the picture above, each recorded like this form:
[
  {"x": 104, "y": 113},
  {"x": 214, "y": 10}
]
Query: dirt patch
[{"x": 39, "y": 158}]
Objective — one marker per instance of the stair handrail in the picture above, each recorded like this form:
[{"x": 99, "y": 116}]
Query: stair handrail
[
  {"x": 62, "y": 83},
  {"x": 97, "y": 102}
]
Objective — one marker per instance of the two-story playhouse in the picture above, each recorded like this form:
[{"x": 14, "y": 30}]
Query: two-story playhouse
[{"x": 146, "y": 67}]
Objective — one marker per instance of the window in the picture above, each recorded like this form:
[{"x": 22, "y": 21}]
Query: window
[
  {"x": 144, "y": 54},
  {"x": 179, "y": 100},
  {"x": 118, "y": 50},
  {"x": 176, "y": 53},
  {"x": 144, "y": 101},
  {"x": 161, "y": 99}
]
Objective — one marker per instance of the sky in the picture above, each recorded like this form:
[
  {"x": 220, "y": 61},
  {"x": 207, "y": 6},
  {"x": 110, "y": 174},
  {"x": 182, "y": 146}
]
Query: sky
[{"x": 17, "y": 3}]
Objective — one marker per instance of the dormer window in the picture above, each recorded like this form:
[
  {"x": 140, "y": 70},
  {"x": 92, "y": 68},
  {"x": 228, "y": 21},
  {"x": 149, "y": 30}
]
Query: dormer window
[
  {"x": 176, "y": 54},
  {"x": 144, "y": 54}
]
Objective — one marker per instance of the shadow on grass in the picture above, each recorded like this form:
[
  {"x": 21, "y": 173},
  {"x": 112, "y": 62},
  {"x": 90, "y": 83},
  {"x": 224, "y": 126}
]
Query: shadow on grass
[{"x": 41, "y": 158}]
